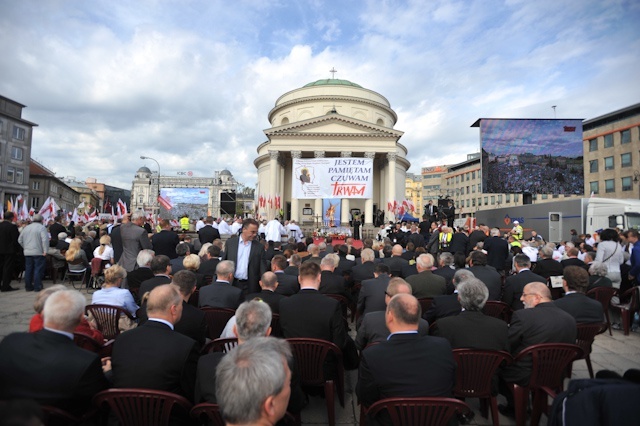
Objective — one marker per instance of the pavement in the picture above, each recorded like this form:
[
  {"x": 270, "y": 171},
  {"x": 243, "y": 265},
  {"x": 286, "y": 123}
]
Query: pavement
[{"x": 617, "y": 353}]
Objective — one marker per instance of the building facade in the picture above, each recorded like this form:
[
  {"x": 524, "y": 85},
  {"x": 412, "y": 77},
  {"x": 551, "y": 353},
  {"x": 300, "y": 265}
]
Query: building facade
[
  {"x": 44, "y": 184},
  {"x": 15, "y": 150},
  {"x": 328, "y": 119},
  {"x": 612, "y": 154},
  {"x": 413, "y": 192},
  {"x": 222, "y": 189},
  {"x": 87, "y": 195}
]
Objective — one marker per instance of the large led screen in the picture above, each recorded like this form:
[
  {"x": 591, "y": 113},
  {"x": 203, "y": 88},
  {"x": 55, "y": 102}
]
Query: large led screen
[
  {"x": 175, "y": 202},
  {"x": 535, "y": 156}
]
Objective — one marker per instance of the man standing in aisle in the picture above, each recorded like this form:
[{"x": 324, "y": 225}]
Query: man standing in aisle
[
  {"x": 34, "y": 241},
  {"x": 249, "y": 257},
  {"x": 8, "y": 249}
]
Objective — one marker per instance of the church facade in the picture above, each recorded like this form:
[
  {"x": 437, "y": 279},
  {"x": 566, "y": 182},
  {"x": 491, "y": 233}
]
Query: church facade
[{"x": 330, "y": 119}]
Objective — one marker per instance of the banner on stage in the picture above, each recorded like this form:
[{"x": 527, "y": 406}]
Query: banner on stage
[
  {"x": 332, "y": 177},
  {"x": 331, "y": 210}
]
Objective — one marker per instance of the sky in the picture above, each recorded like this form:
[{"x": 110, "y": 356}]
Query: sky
[{"x": 190, "y": 82}]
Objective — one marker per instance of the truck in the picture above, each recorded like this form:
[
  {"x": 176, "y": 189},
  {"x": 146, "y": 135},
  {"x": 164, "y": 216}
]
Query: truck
[{"x": 554, "y": 220}]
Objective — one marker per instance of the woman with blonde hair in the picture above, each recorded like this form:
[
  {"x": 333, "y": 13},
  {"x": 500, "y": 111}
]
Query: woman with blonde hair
[
  {"x": 203, "y": 251},
  {"x": 104, "y": 251},
  {"x": 192, "y": 263},
  {"x": 76, "y": 257},
  {"x": 112, "y": 294}
]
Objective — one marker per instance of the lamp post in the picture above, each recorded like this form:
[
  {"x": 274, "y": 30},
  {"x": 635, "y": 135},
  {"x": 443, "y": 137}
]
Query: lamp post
[
  {"x": 636, "y": 178},
  {"x": 142, "y": 157}
]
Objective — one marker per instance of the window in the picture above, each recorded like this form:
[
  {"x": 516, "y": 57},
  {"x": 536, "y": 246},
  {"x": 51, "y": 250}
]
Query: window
[
  {"x": 486, "y": 201},
  {"x": 500, "y": 199},
  {"x": 141, "y": 199},
  {"x": 609, "y": 185},
  {"x": 473, "y": 175},
  {"x": 16, "y": 153},
  {"x": 20, "y": 176},
  {"x": 507, "y": 198},
  {"x": 473, "y": 189},
  {"x": 493, "y": 200},
  {"x": 625, "y": 136},
  {"x": 468, "y": 176},
  {"x": 593, "y": 166},
  {"x": 18, "y": 133},
  {"x": 35, "y": 203},
  {"x": 625, "y": 160},
  {"x": 457, "y": 178},
  {"x": 608, "y": 163},
  {"x": 468, "y": 191},
  {"x": 35, "y": 185},
  {"x": 467, "y": 202},
  {"x": 11, "y": 174},
  {"x": 545, "y": 196},
  {"x": 555, "y": 196},
  {"x": 627, "y": 184},
  {"x": 594, "y": 187},
  {"x": 473, "y": 202},
  {"x": 54, "y": 188},
  {"x": 516, "y": 198},
  {"x": 593, "y": 145},
  {"x": 608, "y": 140}
]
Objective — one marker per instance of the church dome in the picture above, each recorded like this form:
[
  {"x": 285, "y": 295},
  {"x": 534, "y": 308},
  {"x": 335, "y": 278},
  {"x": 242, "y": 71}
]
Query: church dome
[
  {"x": 143, "y": 169},
  {"x": 331, "y": 82},
  {"x": 225, "y": 172}
]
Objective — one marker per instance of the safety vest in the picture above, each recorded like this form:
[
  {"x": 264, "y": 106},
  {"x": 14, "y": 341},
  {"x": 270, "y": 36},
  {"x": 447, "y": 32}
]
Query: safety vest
[
  {"x": 519, "y": 233},
  {"x": 184, "y": 223},
  {"x": 445, "y": 239}
]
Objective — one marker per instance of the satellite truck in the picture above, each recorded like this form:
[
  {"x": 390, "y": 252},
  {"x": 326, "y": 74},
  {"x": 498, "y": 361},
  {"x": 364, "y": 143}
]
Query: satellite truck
[{"x": 554, "y": 220}]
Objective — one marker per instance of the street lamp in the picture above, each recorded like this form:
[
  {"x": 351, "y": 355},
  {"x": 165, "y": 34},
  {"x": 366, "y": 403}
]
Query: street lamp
[
  {"x": 636, "y": 177},
  {"x": 142, "y": 157}
]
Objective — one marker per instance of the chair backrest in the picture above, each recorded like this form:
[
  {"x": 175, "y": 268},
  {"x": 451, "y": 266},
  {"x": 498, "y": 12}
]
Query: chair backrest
[
  {"x": 587, "y": 333},
  {"x": 632, "y": 296},
  {"x": 476, "y": 368},
  {"x": 106, "y": 318},
  {"x": 216, "y": 319},
  {"x": 310, "y": 356},
  {"x": 97, "y": 265},
  {"x": 207, "y": 413},
  {"x": 87, "y": 342},
  {"x": 344, "y": 302},
  {"x": 603, "y": 295},
  {"x": 425, "y": 303},
  {"x": 220, "y": 345},
  {"x": 497, "y": 309},
  {"x": 432, "y": 411},
  {"x": 549, "y": 362},
  {"x": 137, "y": 407}
]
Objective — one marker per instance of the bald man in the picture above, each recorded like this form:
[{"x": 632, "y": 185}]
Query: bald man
[
  {"x": 153, "y": 355},
  {"x": 541, "y": 321},
  {"x": 406, "y": 364},
  {"x": 396, "y": 263}
]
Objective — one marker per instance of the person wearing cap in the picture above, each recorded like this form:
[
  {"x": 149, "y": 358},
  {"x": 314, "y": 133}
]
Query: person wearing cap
[{"x": 517, "y": 232}]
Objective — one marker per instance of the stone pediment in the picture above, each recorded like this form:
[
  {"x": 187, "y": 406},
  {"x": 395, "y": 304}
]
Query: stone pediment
[{"x": 333, "y": 125}]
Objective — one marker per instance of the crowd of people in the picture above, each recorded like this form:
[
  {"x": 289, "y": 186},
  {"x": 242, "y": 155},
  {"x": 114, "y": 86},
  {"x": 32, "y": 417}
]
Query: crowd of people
[{"x": 262, "y": 269}]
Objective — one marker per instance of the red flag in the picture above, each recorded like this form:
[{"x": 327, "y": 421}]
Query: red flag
[
  {"x": 389, "y": 206},
  {"x": 165, "y": 202},
  {"x": 270, "y": 202}
]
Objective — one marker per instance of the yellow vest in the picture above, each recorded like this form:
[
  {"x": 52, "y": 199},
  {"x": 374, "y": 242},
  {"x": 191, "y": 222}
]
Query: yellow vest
[
  {"x": 519, "y": 233},
  {"x": 445, "y": 239},
  {"x": 184, "y": 223}
]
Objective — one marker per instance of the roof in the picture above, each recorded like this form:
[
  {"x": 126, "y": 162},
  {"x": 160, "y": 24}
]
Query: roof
[
  {"x": 143, "y": 169},
  {"x": 37, "y": 169},
  {"x": 332, "y": 82},
  {"x": 225, "y": 172},
  {"x": 611, "y": 117}
]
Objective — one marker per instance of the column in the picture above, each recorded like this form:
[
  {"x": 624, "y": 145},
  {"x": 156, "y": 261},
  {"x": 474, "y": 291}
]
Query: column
[
  {"x": 368, "y": 203},
  {"x": 295, "y": 214},
  {"x": 346, "y": 205},
  {"x": 273, "y": 181},
  {"x": 318, "y": 203},
  {"x": 391, "y": 190},
  {"x": 280, "y": 189}
]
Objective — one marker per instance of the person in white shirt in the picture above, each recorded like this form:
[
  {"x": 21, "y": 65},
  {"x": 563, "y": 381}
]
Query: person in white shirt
[
  {"x": 199, "y": 224},
  {"x": 274, "y": 231},
  {"x": 235, "y": 227},
  {"x": 224, "y": 228},
  {"x": 104, "y": 251},
  {"x": 293, "y": 230}
]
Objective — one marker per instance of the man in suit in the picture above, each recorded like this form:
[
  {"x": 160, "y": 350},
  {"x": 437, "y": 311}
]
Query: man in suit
[
  {"x": 431, "y": 212},
  {"x": 446, "y": 270},
  {"x": 471, "y": 328},
  {"x": 364, "y": 271},
  {"x": 433, "y": 244},
  {"x": 488, "y": 275},
  {"x": 371, "y": 297},
  {"x": 165, "y": 241},
  {"x": 212, "y": 258},
  {"x": 384, "y": 367},
  {"x": 425, "y": 283},
  {"x": 374, "y": 327},
  {"x": 345, "y": 265},
  {"x": 459, "y": 242},
  {"x": 546, "y": 266},
  {"x": 312, "y": 314},
  {"x": 248, "y": 257},
  {"x": 154, "y": 355},
  {"x": 221, "y": 293},
  {"x": 497, "y": 249},
  {"x": 269, "y": 284},
  {"x": 134, "y": 238},
  {"x": 514, "y": 285},
  {"x": 541, "y": 321},
  {"x": 416, "y": 238},
  {"x": 136, "y": 277},
  {"x": 287, "y": 284},
  {"x": 572, "y": 259},
  {"x": 8, "y": 249},
  {"x": 192, "y": 323},
  {"x": 161, "y": 268},
  {"x": 396, "y": 263},
  {"x": 478, "y": 235},
  {"x": 47, "y": 366},
  {"x": 575, "y": 281},
  {"x": 447, "y": 305},
  {"x": 294, "y": 265},
  {"x": 182, "y": 250},
  {"x": 207, "y": 234},
  {"x": 331, "y": 283}
]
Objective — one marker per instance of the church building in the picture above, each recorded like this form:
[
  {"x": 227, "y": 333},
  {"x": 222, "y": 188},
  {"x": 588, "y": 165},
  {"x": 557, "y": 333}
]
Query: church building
[{"x": 331, "y": 134}]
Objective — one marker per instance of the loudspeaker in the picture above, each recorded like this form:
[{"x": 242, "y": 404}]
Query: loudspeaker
[{"x": 228, "y": 203}]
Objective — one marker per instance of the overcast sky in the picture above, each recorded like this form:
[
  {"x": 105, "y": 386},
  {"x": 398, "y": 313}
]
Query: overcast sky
[{"x": 190, "y": 83}]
